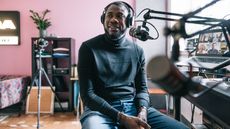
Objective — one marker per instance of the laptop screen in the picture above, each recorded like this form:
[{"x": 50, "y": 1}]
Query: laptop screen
[{"x": 212, "y": 42}]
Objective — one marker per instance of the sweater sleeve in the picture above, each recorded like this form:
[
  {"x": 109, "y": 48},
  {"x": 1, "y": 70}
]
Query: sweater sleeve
[
  {"x": 86, "y": 71},
  {"x": 142, "y": 95}
]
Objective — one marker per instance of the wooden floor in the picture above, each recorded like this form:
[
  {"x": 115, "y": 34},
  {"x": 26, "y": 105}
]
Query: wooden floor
[{"x": 47, "y": 121}]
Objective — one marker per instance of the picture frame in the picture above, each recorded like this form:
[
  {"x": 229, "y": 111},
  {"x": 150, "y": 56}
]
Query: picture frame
[{"x": 9, "y": 28}]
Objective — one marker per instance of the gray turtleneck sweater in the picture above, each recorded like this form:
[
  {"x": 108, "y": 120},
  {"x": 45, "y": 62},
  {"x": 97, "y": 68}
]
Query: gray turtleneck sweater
[{"x": 111, "y": 70}]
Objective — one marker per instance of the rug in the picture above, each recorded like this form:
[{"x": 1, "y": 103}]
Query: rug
[
  {"x": 58, "y": 120},
  {"x": 10, "y": 111}
]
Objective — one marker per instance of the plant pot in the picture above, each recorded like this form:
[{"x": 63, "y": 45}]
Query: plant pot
[{"x": 42, "y": 33}]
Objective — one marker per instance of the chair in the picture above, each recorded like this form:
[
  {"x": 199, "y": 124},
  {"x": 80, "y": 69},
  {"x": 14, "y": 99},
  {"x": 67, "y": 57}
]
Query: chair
[{"x": 159, "y": 99}]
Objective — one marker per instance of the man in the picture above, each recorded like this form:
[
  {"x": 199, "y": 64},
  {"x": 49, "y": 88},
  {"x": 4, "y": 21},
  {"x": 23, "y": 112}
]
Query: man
[
  {"x": 201, "y": 49},
  {"x": 213, "y": 50},
  {"x": 112, "y": 78}
]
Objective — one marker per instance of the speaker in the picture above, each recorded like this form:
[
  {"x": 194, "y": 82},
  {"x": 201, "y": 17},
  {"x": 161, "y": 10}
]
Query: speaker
[
  {"x": 46, "y": 100},
  {"x": 129, "y": 18}
]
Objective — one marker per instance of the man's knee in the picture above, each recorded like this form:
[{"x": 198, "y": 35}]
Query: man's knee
[
  {"x": 97, "y": 122},
  {"x": 158, "y": 120},
  {"x": 90, "y": 121}
]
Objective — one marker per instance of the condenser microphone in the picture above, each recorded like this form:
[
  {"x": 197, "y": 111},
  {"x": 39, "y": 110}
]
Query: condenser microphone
[
  {"x": 164, "y": 73},
  {"x": 177, "y": 30},
  {"x": 140, "y": 34}
]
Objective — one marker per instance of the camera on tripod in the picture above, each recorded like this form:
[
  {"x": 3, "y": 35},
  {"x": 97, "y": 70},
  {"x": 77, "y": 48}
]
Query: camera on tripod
[{"x": 42, "y": 42}]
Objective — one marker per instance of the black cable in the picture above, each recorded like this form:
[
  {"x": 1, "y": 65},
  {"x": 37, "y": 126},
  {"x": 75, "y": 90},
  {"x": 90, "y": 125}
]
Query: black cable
[
  {"x": 143, "y": 11},
  {"x": 226, "y": 16},
  {"x": 193, "y": 111},
  {"x": 145, "y": 21},
  {"x": 157, "y": 32}
]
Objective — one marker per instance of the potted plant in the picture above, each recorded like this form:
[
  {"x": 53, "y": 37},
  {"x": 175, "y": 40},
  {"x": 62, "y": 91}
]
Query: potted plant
[{"x": 41, "y": 22}]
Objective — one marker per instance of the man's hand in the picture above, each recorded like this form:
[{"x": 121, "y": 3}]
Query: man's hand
[
  {"x": 143, "y": 114},
  {"x": 131, "y": 122}
]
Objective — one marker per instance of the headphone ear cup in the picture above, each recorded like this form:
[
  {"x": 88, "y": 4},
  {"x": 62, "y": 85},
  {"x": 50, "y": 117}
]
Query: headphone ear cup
[
  {"x": 103, "y": 18},
  {"x": 129, "y": 21}
]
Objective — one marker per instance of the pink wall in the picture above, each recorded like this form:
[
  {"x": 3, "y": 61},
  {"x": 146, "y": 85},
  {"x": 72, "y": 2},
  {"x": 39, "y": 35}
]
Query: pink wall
[{"x": 79, "y": 19}]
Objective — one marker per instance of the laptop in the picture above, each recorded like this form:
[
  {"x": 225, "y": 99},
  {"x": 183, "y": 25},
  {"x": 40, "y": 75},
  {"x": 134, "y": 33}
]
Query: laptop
[{"x": 211, "y": 51}]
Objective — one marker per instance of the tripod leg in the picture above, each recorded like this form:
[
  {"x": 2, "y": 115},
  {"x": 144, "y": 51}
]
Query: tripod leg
[
  {"x": 39, "y": 98},
  {"x": 51, "y": 86},
  {"x": 33, "y": 81}
]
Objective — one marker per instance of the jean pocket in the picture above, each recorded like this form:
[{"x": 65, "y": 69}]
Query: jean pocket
[{"x": 130, "y": 109}]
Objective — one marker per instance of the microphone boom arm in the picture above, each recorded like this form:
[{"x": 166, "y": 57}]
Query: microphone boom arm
[
  {"x": 186, "y": 18},
  {"x": 179, "y": 30}
]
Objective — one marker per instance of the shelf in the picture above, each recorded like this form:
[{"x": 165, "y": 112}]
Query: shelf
[
  {"x": 60, "y": 74},
  {"x": 44, "y": 56},
  {"x": 60, "y": 55}
]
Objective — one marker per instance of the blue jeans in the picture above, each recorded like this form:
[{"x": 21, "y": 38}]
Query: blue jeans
[{"x": 96, "y": 120}]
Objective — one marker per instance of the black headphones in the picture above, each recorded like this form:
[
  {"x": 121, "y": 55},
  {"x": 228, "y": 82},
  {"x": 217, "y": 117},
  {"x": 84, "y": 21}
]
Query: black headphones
[{"x": 129, "y": 18}]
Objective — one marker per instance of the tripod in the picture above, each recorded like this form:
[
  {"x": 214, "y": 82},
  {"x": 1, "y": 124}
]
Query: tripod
[{"x": 38, "y": 75}]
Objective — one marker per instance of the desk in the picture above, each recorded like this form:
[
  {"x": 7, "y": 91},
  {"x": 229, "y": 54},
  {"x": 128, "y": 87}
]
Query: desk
[{"x": 216, "y": 104}]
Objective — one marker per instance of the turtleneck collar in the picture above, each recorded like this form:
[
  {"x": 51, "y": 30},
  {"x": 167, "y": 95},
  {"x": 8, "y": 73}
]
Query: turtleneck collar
[{"x": 115, "y": 42}]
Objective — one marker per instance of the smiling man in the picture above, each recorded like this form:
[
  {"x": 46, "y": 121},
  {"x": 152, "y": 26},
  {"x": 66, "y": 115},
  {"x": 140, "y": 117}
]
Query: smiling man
[
  {"x": 114, "y": 20},
  {"x": 112, "y": 78}
]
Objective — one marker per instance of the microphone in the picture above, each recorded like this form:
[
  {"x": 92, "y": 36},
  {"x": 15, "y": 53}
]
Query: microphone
[
  {"x": 164, "y": 73},
  {"x": 177, "y": 31},
  {"x": 140, "y": 34}
]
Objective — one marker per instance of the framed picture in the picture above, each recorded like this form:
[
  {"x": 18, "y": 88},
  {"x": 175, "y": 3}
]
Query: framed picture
[{"x": 9, "y": 28}]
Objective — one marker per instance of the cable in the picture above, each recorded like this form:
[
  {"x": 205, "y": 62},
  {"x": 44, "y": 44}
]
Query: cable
[
  {"x": 193, "y": 111},
  {"x": 157, "y": 36},
  {"x": 145, "y": 21},
  {"x": 226, "y": 16},
  {"x": 143, "y": 11}
]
